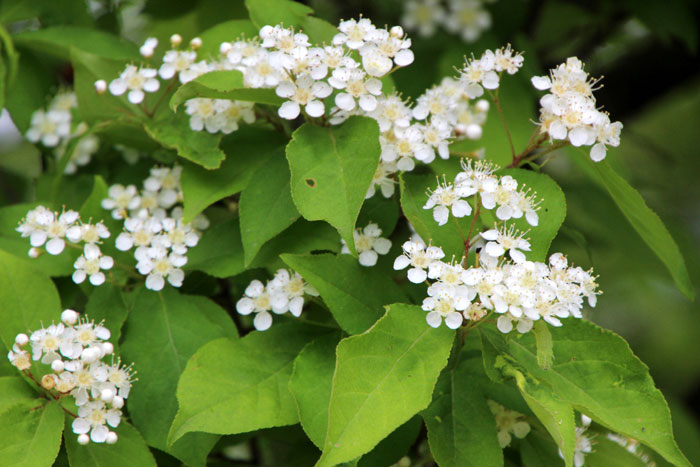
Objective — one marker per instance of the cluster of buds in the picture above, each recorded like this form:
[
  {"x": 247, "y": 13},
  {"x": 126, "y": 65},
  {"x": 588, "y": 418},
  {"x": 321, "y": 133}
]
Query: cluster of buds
[
  {"x": 153, "y": 224},
  {"x": 75, "y": 349},
  {"x": 284, "y": 293},
  {"x": 49, "y": 229}
]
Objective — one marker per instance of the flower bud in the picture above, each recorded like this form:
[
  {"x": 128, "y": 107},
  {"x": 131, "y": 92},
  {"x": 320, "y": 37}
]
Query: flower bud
[
  {"x": 225, "y": 47},
  {"x": 111, "y": 438},
  {"x": 396, "y": 31},
  {"x": 107, "y": 395},
  {"x": 90, "y": 354},
  {"x": 196, "y": 43},
  {"x": 482, "y": 105},
  {"x": 84, "y": 439},
  {"x": 34, "y": 252},
  {"x": 47, "y": 382},
  {"x": 70, "y": 317},
  {"x": 107, "y": 348},
  {"x": 58, "y": 366},
  {"x": 100, "y": 86},
  {"x": 21, "y": 339},
  {"x": 175, "y": 40},
  {"x": 473, "y": 131},
  {"x": 118, "y": 402}
]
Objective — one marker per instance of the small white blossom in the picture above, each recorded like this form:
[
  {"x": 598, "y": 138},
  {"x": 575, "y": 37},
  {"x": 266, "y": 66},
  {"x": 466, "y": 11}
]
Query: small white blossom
[
  {"x": 420, "y": 257},
  {"x": 508, "y": 422},
  {"x": 137, "y": 81},
  {"x": 90, "y": 264},
  {"x": 49, "y": 127},
  {"x": 369, "y": 244}
]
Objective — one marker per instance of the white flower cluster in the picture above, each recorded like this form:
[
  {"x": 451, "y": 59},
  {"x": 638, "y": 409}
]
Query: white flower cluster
[
  {"x": 468, "y": 18},
  {"x": 75, "y": 349},
  {"x": 369, "y": 244},
  {"x": 569, "y": 110},
  {"x": 51, "y": 229},
  {"x": 160, "y": 236},
  {"x": 494, "y": 191},
  {"x": 508, "y": 422},
  {"x": 520, "y": 292},
  {"x": 284, "y": 293},
  {"x": 218, "y": 115},
  {"x": 484, "y": 72},
  {"x": 55, "y": 128}
]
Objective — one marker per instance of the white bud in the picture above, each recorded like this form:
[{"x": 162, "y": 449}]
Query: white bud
[
  {"x": 100, "y": 86},
  {"x": 196, "y": 43},
  {"x": 396, "y": 31},
  {"x": 146, "y": 52},
  {"x": 107, "y": 348},
  {"x": 175, "y": 40},
  {"x": 70, "y": 317},
  {"x": 473, "y": 131},
  {"x": 482, "y": 105},
  {"x": 57, "y": 366},
  {"x": 34, "y": 252},
  {"x": 225, "y": 47},
  {"x": 118, "y": 402},
  {"x": 90, "y": 354},
  {"x": 83, "y": 439},
  {"x": 21, "y": 339},
  {"x": 107, "y": 395},
  {"x": 111, "y": 438}
]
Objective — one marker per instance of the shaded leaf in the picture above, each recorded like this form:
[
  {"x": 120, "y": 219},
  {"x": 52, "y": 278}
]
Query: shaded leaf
[{"x": 31, "y": 433}]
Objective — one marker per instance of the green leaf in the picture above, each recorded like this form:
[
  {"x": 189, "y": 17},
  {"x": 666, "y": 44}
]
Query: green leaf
[
  {"x": 30, "y": 433},
  {"x": 29, "y": 90},
  {"x": 413, "y": 198},
  {"x": 310, "y": 384},
  {"x": 355, "y": 294},
  {"x": 595, "y": 371},
  {"x": 382, "y": 211},
  {"x": 58, "y": 40},
  {"x": 200, "y": 147},
  {"x": 226, "y": 84},
  {"x": 290, "y": 13},
  {"x": 14, "y": 390},
  {"x": 225, "y": 32},
  {"x": 108, "y": 303},
  {"x": 220, "y": 250},
  {"x": 246, "y": 150},
  {"x": 392, "y": 448},
  {"x": 538, "y": 449},
  {"x": 543, "y": 340},
  {"x": 28, "y": 298},
  {"x": 130, "y": 449},
  {"x": 234, "y": 386},
  {"x": 557, "y": 416},
  {"x": 163, "y": 331},
  {"x": 332, "y": 168},
  {"x": 551, "y": 213},
  {"x": 461, "y": 428},
  {"x": 382, "y": 378},
  {"x": 607, "y": 453},
  {"x": 645, "y": 221},
  {"x": 266, "y": 207}
]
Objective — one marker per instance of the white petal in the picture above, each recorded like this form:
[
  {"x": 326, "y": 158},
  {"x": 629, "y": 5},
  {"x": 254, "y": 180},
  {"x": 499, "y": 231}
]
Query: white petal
[
  {"x": 296, "y": 305},
  {"x": 578, "y": 136},
  {"x": 434, "y": 319},
  {"x": 155, "y": 282},
  {"x": 151, "y": 85},
  {"x": 368, "y": 103},
  {"x": 368, "y": 258},
  {"x": 80, "y": 426},
  {"x": 117, "y": 87},
  {"x": 404, "y": 57},
  {"x": 382, "y": 245},
  {"x": 289, "y": 110},
  {"x": 315, "y": 109},
  {"x": 99, "y": 434},
  {"x": 598, "y": 152},
  {"x": 135, "y": 96},
  {"x": 461, "y": 208},
  {"x": 79, "y": 276},
  {"x": 245, "y": 306},
  {"x": 490, "y": 81},
  {"x": 37, "y": 238},
  {"x": 55, "y": 246},
  {"x": 262, "y": 321},
  {"x": 454, "y": 320},
  {"x": 504, "y": 324},
  {"x": 345, "y": 101},
  {"x": 541, "y": 82},
  {"x": 518, "y": 256},
  {"x": 441, "y": 214},
  {"x": 97, "y": 279},
  {"x": 417, "y": 275},
  {"x": 401, "y": 262}
]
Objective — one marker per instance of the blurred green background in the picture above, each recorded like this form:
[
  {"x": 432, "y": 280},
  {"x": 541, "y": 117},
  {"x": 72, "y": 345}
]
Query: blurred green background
[{"x": 648, "y": 53}]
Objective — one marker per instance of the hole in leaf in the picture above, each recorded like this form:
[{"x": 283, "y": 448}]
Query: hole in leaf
[{"x": 311, "y": 182}]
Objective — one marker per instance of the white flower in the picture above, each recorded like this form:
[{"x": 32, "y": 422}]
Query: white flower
[
  {"x": 302, "y": 92},
  {"x": 293, "y": 286},
  {"x": 90, "y": 263},
  {"x": 19, "y": 358},
  {"x": 148, "y": 47},
  {"x": 383, "y": 179},
  {"x": 468, "y": 18},
  {"x": 88, "y": 233},
  {"x": 369, "y": 244},
  {"x": 500, "y": 241},
  {"x": 179, "y": 62},
  {"x": 507, "y": 422},
  {"x": 445, "y": 301},
  {"x": 162, "y": 266},
  {"x": 356, "y": 88},
  {"x": 121, "y": 200},
  {"x": 420, "y": 257},
  {"x": 50, "y": 127},
  {"x": 442, "y": 199},
  {"x": 137, "y": 81},
  {"x": 260, "y": 301},
  {"x": 423, "y": 16},
  {"x": 354, "y": 33},
  {"x": 44, "y": 226},
  {"x": 93, "y": 418}
]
